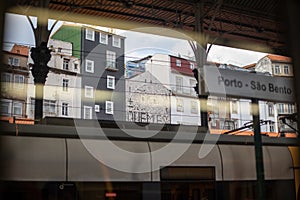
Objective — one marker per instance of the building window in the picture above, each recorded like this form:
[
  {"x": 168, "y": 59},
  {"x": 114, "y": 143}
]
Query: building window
[
  {"x": 271, "y": 110},
  {"x": 111, "y": 60},
  {"x": 89, "y": 34},
  {"x": 64, "y": 109},
  {"x": 87, "y": 112},
  {"x": 109, "y": 107},
  {"x": 103, "y": 38},
  {"x": 192, "y": 85},
  {"x": 116, "y": 41},
  {"x": 97, "y": 108},
  {"x": 234, "y": 107},
  {"x": 290, "y": 108},
  {"x": 5, "y": 107},
  {"x": 194, "y": 107},
  {"x": 17, "y": 108},
  {"x": 65, "y": 85},
  {"x": 89, "y": 92},
  {"x": 66, "y": 63},
  {"x": 277, "y": 69},
  {"x": 49, "y": 107},
  {"x": 89, "y": 66},
  {"x": 286, "y": 70},
  {"x": 19, "y": 81},
  {"x": 178, "y": 63},
  {"x": 179, "y": 84},
  {"x": 6, "y": 77},
  {"x": 280, "y": 108},
  {"x": 179, "y": 105},
  {"x": 192, "y": 66},
  {"x": 32, "y": 105},
  {"x": 75, "y": 66},
  {"x": 13, "y": 61},
  {"x": 272, "y": 127},
  {"x": 110, "y": 82}
]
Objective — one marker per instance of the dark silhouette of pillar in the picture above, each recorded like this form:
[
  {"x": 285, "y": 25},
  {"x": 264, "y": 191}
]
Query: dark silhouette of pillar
[{"x": 40, "y": 56}]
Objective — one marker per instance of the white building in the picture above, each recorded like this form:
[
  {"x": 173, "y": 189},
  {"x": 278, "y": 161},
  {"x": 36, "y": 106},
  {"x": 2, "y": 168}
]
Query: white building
[
  {"x": 176, "y": 75},
  {"x": 62, "y": 91},
  {"x": 147, "y": 100},
  {"x": 275, "y": 65}
]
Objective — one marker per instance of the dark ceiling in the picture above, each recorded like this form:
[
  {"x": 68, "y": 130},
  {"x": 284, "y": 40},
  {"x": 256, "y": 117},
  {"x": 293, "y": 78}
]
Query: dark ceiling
[{"x": 227, "y": 22}]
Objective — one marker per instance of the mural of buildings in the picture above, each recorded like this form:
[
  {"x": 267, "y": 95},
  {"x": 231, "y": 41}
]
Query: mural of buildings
[
  {"x": 62, "y": 91},
  {"x": 102, "y": 69},
  {"x": 147, "y": 100},
  {"x": 14, "y": 79}
]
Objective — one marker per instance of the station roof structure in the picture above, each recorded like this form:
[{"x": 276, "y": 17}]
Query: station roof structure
[{"x": 236, "y": 23}]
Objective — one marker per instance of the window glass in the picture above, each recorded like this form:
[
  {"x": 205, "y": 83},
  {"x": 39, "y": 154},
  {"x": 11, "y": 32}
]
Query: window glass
[
  {"x": 65, "y": 85},
  {"x": 109, "y": 107},
  {"x": 87, "y": 112},
  {"x": 89, "y": 34},
  {"x": 179, "y": 103},
  {"x": 19, "y": 81},
  {"x": 111, "y": 82},
  {"x": 111, "y": 60},
  {"x": 66, "y": 63},
  {"x": 65, "y": 109},
  {"x": 89, "y": 92},
  {"x": 17, "y": 108},
  {"x": 116, "y": 41},
  {"x": 103, "y": 38},
  {"x": 89, "y": 66},
  {"x": 179, "y": 84}
]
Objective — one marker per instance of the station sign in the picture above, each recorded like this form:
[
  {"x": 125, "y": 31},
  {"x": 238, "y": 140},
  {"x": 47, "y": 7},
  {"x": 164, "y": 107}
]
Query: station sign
[{"x": 244, "y": 84}]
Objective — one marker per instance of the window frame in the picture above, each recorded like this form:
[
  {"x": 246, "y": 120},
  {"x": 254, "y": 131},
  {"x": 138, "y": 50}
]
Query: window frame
[
  {"x": 84, "y": 112},
  {"x": 179, "y": 105},
  {"x": 89, "y": 36},
  {"x": 65, "y": 85},
  {"x": 64, "y": 109},
  {"x": 234, "y": 107},
  {"x": 13, "y": 108},
  {"x": 19, "y": 84},
  {"x": 178, "y": 63},
  {"x": 111, "y": 57},
  {"x": 100, "y": 38},
  {"x": 111, "y": 111},
  {"x": 9, "y": 107},
  {"x": 271, "y": 110},
  {"x": 179, "y": 87},
  {"x": 112, "y": 80},
  {"x": 92, "y": 63},
  {"x": 277, "y": 69},
  {"x": 49, "y": 106},
  {"x": 86, "y": 91},
  {"x": 116, "y": 39},
  {"x": 194, "y": 107},
  {"x": 286, "y": 69},
  {"x": 66, "y": 64}
]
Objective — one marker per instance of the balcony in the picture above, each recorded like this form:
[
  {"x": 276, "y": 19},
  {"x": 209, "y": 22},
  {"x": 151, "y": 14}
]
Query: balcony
[{"x": 111, "y": 66}]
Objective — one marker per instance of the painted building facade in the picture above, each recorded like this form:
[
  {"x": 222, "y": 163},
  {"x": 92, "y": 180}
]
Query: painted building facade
[
  {"x": 102, "y": 70},
  {"x": 147, "y": 100}
]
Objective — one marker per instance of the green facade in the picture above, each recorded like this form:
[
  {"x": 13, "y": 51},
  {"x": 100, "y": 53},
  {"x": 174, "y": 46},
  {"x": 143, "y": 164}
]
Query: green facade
[{"x": 70, "y": 34}]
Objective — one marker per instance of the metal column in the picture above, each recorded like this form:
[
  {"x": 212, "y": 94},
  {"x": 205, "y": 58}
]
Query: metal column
[{"x": 260, "y": 187}]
